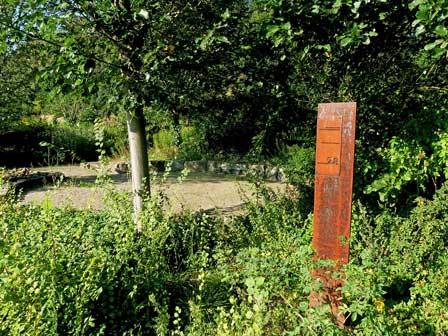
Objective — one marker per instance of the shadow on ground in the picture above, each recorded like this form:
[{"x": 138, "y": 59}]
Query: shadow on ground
[{"x": 214, "y": 194}]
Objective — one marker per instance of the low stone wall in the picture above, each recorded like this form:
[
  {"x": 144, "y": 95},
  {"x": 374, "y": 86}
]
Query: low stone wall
[{"x": 268, "y": 172}]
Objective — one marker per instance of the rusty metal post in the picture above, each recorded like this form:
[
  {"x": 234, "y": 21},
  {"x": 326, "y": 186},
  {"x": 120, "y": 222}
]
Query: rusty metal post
[{"x": 335, "y": 148}]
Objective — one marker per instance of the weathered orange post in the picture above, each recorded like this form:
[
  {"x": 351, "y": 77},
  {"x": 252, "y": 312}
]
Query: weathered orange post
[{"x": 335, "y": 149}]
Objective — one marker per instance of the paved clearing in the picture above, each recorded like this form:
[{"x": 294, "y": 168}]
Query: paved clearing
[{"x": 225, "y": 193}]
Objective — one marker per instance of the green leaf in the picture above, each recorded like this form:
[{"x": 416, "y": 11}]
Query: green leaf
[
  {"x": 326, "y": 47},
  {"x": 356, "y": 6},
  {"x": 272, "y": 29},
  {"x": 278, "y": 40},
  {"x": 346, "y": 41},
  {"x": 416, "y": 3},
  {"x": 422, "y": 15},
  {"x": 250, "y": 282},
  {"x": 420, "y": 30},
  {"x": 432, "y": 45},
  {"x": 226, "y": 14},
  {"x": 3, "y": 48},
  {"x": 259, "y": 281},
  {"x": 441, "y": 31},
  {"x": 286, "y": 26},
  {"x": 438, "y": 52},
  {"x": 144, "y": 13},
  {"x": 223, "y": 39}
]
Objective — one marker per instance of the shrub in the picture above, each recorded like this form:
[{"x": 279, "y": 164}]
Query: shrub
[
  {"x": 76, "y": 272},
  {"x": 189, "y": 147},
  {"x": 19, "y": 143},
  {"x": 80, "y": 272},
  {"x": 37, "y": 143},
  {"x": 164, "y": 147},
  {"x": 298, "y": 164}
]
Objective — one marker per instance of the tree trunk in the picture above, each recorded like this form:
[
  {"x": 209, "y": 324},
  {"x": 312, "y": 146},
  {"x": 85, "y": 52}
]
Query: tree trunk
[
  {"x": 139, "y": 160},
  {"x": 177, "y": 130}
]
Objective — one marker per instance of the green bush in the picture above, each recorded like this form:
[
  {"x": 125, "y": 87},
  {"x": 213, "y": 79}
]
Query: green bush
[
  {"x": 189, "y": 147},
  {"x": 76, "y": 272},
  {"x": 77, "y": 141},
  {"x": 19, "y": 143},
  {"x": 192, "y": 146},
  {"x": 164, "y": 147},
  {"x": 40, "y": 143},
  {"x": 79, "y": 272},
  {"x": 116, "y": 139},
  {"x": 298, "y": 164},
  {"x": 37, "y": 142}
]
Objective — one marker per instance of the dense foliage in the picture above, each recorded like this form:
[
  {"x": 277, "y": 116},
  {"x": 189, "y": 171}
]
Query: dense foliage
[
  {"x": 214, "y": 78},
  {"x": 75, "y": 272},
  {"x": 247, "y": 76}
]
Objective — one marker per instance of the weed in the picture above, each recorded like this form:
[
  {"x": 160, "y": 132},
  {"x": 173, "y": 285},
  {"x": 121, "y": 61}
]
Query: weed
[{"x": 81, "y": 272}]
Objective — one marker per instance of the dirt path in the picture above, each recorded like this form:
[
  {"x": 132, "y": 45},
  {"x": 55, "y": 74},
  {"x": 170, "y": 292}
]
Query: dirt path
[{"x": 224, "y": 193}]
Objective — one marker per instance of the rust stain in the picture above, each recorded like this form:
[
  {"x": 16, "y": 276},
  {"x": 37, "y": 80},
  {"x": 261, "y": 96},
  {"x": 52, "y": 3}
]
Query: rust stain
[
  {"x": 335, "y": 146},
  {"x": 334, "y": 180}
]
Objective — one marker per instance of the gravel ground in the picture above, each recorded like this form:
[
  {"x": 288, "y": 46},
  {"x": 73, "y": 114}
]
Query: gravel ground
[{"x": 225, "y": 194}]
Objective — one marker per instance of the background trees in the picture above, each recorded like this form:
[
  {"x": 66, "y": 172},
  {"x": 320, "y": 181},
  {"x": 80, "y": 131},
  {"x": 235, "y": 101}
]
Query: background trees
[
  {"x": 246, "y": 75},
  {"x": 126, "y": 36},
  {"x": 17, "y": 85}
]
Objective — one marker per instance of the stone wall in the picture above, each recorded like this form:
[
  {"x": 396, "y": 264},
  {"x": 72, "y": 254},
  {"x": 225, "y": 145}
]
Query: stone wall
[{"x": 268, "y": 172}]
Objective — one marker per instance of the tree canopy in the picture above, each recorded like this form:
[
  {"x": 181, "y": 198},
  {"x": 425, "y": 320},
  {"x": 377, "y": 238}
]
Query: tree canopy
[{"x": 247, "y": 74}]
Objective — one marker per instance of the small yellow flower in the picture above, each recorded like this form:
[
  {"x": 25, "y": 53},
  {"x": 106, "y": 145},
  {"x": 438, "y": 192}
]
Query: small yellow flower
[{"x": 379, "y": 305}]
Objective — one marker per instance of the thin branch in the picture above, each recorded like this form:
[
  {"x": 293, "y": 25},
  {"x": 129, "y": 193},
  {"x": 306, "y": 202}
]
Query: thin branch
[
  {"x": 40, "y": 38},
  {"x": 96, "y": 22},
  {"x": 428, "y": 88}
]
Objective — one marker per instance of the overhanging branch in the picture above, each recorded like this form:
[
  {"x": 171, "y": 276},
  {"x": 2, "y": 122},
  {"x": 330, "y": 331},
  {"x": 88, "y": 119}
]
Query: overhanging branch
[{"x": 77, "y": 52}]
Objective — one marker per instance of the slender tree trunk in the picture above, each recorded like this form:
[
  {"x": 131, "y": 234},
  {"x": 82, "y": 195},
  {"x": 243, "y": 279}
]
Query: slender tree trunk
[
  {"x": 139, "y": 160},
  {"x": 177, "y": 130}
]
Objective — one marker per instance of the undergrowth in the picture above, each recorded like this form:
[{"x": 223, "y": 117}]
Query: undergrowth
[{"x": 80, "y": 272}]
